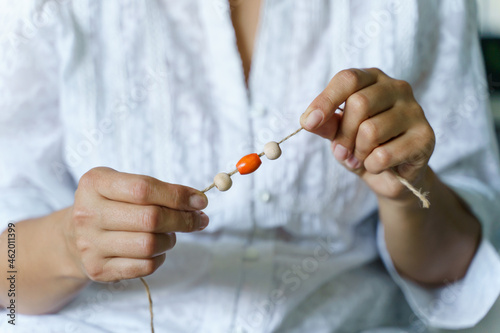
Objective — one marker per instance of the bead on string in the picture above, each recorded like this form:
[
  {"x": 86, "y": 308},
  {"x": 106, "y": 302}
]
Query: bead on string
[
  {"x": 248, "y": 164},
  {"x": 272, "y": 150}
]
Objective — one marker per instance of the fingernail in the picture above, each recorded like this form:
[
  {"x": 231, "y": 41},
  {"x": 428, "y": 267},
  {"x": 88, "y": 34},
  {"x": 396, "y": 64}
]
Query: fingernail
[
  {"x": 352, "y": 162},
  {"x": 203, "y": 220},
  {"x": 197, "y": 201},
  {"x": 313, "y": 120},
  {"x": 340, "y": 152}
]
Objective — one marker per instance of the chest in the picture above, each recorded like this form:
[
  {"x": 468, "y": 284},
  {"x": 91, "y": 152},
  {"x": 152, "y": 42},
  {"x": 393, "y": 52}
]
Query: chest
[
  {"x": 158, "y": 88},
  {"x": 245, "y": 18}
]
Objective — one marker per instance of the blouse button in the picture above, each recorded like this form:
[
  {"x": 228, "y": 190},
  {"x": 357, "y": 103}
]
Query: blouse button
[
  {"x": 251, "y": 254},
  {"x": 265, "y": 196},
  {"x": 257, "y": 110}
]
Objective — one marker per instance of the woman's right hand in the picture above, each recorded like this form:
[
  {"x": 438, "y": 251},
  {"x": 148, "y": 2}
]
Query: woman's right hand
[{"x": 122, "y": 224}]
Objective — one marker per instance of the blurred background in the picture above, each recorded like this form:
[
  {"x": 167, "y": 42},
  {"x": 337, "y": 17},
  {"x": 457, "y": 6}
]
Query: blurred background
[{"x": 489, "y": 19}]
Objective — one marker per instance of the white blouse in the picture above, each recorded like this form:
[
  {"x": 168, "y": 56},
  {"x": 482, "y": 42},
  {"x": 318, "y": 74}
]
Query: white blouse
[{"x": 156, "y": 87}]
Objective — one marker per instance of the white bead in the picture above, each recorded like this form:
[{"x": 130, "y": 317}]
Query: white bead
[
  {"x": 272, "y": 150},
  {"x": 223, "y": 181}
]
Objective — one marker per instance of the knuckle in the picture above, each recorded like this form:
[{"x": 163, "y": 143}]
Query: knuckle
[
  {"x": 95, "y": 271},
  {"x": 378, "y": 160},
  {"x": 150, "y": 218},
  {"x": 141, "y": 189},
  {"x": 176, "y": 197},
  {"x": 81, "y": 215},
  {"x": 383, "y": 157},
  {"x": 91, "y": 177},
  {"x": 368, "y": 131},
  {"x": 425, "y": 148},
  {"x": 325, "y": 100},
  {"x": 149, "y": 266},
  {"x": 359, "y": 102},
  {"x": 189, "y": 221},
  {"x": 403, "y": 86},
  {"x": 88, "y": 178},
  {"x": 377, "y": 71},
  {"x": 350, "y": 76},
  {"x": 148, "y": 244},
  {"x": 82, "y": 244}
]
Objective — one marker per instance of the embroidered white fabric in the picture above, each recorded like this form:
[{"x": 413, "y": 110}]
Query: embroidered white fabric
[{"x": 157, "y": 88}]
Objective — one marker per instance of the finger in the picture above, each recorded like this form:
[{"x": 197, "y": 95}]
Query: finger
[
  {"x": 329, "y": 129},
  {"x": 359, "y": 107},
  {"x": 143, "y": 190},
  {"x": 115, "y": 269},
  {"x": 341, "y": 86},
  {"x": 138, "y": 245},
  {"x": 378, "y": 130},
  {"x": 121, "y": 216},
  {"x": 411, "y": 151}
]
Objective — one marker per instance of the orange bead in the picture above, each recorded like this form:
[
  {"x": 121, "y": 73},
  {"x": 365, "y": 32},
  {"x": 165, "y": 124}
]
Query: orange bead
[{"x": 248, "y": 164}]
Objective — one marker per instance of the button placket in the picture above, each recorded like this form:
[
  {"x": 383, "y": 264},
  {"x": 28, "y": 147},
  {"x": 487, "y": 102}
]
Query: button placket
[{"x": 257, "y": 283}]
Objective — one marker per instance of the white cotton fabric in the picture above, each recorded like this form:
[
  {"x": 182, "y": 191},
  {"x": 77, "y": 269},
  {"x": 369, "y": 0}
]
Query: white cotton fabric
[{"x": 156, "y": 87}]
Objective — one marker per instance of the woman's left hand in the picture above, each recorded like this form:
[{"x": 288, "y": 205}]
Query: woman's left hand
[{"x": 382, "y": 127}]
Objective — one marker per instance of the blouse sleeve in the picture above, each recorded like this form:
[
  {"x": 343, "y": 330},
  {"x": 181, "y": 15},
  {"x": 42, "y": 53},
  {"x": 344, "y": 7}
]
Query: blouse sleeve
[
  {"x": 453, "y": 92},
  {"x": 33, "y": 181}
]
